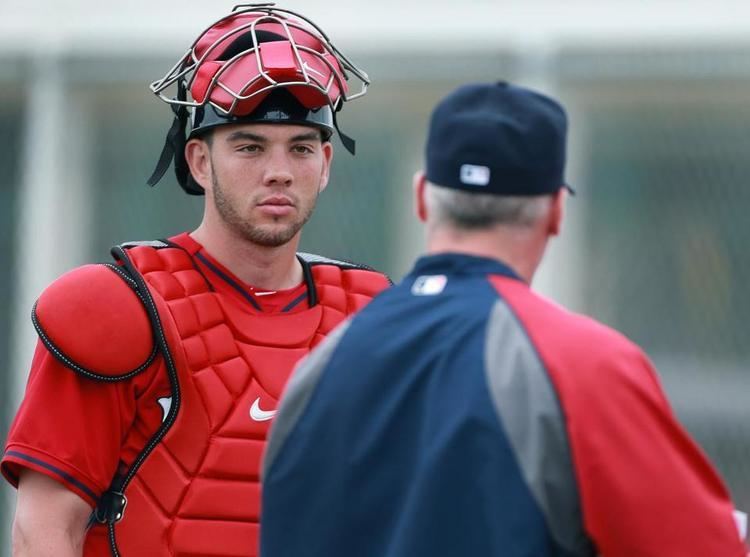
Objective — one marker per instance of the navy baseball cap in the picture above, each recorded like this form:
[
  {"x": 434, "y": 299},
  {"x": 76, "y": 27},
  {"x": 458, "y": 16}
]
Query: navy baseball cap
[{"x": 497, "y": 138}]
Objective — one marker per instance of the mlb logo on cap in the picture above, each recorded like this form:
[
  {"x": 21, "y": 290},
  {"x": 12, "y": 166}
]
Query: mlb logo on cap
[
  {"x": 475, "y": 175},
  {"x": 497, "y": 138},
  {"x": 429, "y": 285}
]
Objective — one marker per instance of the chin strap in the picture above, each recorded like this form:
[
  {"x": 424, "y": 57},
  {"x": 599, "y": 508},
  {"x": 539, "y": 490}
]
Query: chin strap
[
  {"x": 348, "y": 142},
  {"x": 174, "y": 149}
]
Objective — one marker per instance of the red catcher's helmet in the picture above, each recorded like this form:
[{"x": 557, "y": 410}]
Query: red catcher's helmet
[{"x": 257, "y": 64}]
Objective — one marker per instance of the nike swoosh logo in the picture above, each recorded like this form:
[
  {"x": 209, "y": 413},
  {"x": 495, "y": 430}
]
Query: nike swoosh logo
[
  {"x": 166, "y": 405},
  {"x": 259, "y": 415},
  {"x": 312, "y": 70}
]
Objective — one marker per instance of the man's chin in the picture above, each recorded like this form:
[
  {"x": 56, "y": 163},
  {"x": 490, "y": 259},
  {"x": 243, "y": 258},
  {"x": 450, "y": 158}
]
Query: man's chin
[{"x": 271, "y": 236}]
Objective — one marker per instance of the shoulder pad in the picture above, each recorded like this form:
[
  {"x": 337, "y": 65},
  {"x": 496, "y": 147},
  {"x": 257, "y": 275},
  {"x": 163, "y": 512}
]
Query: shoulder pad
[
  {"x": 157, "y": 244},
  {"x": 313, "y": 259},
  {"x": 93, "y": 320},
  {"x": 348, "y": 289},
  {"x": 367, "y": 282}
]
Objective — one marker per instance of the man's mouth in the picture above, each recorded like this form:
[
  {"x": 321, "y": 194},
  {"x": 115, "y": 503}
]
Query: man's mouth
[
  {"x": 276, "y": 200},
  {"x": 276, "y": 205}
]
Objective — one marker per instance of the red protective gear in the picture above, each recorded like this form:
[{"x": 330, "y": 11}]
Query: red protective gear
[{"x": 194, "y": 490}]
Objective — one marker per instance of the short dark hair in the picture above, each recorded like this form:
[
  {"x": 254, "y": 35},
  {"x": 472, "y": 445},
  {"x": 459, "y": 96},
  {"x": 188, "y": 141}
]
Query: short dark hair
[{"x": 208, "y": 137}]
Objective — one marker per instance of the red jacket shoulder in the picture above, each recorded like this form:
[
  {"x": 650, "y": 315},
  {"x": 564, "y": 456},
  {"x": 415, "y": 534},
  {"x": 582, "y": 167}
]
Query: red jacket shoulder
[{"x": 588, "y": 353}]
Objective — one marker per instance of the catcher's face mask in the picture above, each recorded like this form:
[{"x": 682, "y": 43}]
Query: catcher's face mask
[{"x": 239, "y": 62}]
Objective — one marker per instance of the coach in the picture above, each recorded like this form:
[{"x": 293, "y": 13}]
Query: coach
[{"x": 462, "y": 414}]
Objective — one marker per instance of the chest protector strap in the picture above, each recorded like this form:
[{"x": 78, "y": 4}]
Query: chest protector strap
[{"x": 111, "y": 507}]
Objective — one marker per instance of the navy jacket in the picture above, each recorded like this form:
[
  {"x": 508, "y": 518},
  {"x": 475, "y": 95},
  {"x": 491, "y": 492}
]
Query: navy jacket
[{"x": 450, "y": 418}]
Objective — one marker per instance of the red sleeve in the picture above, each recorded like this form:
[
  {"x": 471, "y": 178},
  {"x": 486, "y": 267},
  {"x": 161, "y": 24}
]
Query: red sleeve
[
  {"x": 68, "y": 427},
  {"x": 646, "y": 488}
]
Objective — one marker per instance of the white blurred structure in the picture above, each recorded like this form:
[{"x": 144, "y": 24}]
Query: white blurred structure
[
  {"x": 673, "y": 53},
  {"x": 142, "y": 24}
]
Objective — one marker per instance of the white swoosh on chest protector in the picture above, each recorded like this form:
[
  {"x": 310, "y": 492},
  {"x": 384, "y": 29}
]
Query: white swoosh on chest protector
[
  {"x": 166, "y": 404},
  {"x": 259, "y": 415}
]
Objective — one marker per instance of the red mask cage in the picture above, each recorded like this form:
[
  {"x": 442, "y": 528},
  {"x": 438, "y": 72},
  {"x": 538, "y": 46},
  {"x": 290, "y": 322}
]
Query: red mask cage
[
  {"x": 236, "y": 63},
  {"x": 300, "y": 57}
]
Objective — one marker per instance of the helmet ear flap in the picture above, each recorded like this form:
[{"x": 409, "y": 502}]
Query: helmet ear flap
[
  {"x": 191, "y": 187},
  {"x": 174, "y": 148}
]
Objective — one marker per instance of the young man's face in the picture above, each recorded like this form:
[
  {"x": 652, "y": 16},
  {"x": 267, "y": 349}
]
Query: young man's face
[{"x": 265, "y": 179}]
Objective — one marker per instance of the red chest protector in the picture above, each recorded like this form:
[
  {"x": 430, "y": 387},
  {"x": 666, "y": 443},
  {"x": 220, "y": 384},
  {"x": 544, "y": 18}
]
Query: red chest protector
[{"x": 194, "y": 490}]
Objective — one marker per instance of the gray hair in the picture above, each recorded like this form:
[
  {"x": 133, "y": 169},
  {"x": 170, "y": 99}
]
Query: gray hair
[{"x": 471, "y": 211}]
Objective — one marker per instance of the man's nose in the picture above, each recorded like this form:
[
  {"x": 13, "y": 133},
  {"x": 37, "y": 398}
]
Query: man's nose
[{"x": 278, "y": 171}]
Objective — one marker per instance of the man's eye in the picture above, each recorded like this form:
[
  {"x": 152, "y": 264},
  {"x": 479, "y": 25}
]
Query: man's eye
[
  {"x": 302, "y": 149},
  {"x": 250, "y": 148}
]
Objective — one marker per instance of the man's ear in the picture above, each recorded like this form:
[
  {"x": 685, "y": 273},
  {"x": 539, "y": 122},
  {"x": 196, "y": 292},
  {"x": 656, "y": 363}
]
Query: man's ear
[
  {"x": 198, "y": 157},
  {"x": 327, "y": 158},
  {"x": 557, "y": 212},
  {"x": 419, "y": 184}
]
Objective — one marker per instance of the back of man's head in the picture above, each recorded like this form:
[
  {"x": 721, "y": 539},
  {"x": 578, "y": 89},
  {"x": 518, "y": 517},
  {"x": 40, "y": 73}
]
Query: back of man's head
[
  {"x": 477, "y": 211},
  {"x": 495, "y": 155}
]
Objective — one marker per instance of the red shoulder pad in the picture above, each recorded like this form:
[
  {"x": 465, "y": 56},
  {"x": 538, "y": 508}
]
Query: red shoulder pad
[
  {"x": 364, "y": 282},
  {"x": 347, "y": 289},
  {"x": 92, "y": 319},
  {"x": 363, "y": 285}
]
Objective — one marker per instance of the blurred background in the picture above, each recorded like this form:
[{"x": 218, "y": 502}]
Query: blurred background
[{"x": 658, "y": 93}]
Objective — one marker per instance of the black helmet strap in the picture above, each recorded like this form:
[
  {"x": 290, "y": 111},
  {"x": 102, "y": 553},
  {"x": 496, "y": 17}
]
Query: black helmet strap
[
  {"x": 348, "y": 142},
  {"x": 174, "y": 148}
]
